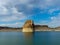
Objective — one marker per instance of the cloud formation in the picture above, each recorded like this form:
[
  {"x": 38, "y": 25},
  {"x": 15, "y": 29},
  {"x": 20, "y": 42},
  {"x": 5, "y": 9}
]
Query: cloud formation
[
  {"x": 55, "y": 21},
  {"x": 17, "y": 10}
]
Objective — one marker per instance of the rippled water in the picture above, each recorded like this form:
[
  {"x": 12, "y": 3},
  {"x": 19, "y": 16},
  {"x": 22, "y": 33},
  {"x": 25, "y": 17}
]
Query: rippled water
[{"x": 37, "y": 38}]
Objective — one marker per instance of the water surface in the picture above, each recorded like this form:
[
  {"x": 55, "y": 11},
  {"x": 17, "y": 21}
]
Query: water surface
[{"x": 37, "y": 38}]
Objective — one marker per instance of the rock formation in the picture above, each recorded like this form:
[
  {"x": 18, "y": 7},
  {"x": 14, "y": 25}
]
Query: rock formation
[{"x": 28, "y": 26}]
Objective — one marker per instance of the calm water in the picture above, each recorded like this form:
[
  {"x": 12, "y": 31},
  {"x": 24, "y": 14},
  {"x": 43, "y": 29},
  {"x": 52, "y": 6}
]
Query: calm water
[{"x": 37, "y": 38}]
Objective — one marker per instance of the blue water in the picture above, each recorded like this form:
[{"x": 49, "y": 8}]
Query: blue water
[{"x": 37, "y": 38}]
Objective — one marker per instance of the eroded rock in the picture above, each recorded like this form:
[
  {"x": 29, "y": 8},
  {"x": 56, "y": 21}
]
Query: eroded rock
[{"x": 28, "y": 26}]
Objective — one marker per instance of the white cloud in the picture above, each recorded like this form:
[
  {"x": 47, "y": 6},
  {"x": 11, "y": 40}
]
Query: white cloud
[
  {"x": 14, "y": 17},
  {"x": 14, "y": 10},
  {"x": 3, "y": 2},
  {"x": 46, "y": 4},
  {"x": 50, "y": 11},
  {"x": 29, "y": 6},
  {"x": 24, "y": 1},
  {"x": 8, "y": 9},
  {"x": 55, "y": 21},
  {"x": 11, "y": 13},
  {"x": 53, "y": 18},
  {"x": 3, "y": 10},
  {"x": 16, "y": 24}
]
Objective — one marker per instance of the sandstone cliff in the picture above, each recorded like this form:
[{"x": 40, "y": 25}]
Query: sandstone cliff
[{"x": 28, "y": 26}]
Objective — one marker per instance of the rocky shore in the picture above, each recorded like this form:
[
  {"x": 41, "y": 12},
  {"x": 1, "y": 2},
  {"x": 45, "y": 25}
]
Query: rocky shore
[
  {"x": 29, "y": 26},
  {"x": 37, "y": 28}
]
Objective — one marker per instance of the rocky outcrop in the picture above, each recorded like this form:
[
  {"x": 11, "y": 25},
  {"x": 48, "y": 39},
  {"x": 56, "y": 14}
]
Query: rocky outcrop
[
  {"x": 28, "y": 26},
  {"x": 41, "y": 27}
]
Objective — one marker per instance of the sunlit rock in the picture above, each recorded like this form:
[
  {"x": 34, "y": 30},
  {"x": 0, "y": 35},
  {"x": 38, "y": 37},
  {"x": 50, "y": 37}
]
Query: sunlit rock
[{"x": 28, "y": 26}]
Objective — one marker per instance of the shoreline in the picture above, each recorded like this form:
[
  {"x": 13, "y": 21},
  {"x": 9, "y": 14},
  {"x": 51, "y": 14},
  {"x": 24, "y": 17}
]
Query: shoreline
[{"x": 9, "y": 30}]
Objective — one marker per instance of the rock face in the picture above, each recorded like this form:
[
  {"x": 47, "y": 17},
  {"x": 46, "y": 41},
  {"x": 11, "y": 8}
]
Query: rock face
[
  {"x": 41, "y": 27},
  {"x": 28, "y": 26}
]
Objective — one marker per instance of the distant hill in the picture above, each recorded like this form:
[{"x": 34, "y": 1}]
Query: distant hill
[
  {"x": 1, "y": 27},
  {"x": 36, "y": 27},
  {"x": 30, "y": 24}
]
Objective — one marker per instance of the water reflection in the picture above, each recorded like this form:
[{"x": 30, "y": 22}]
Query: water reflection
[
  {"x": 37, "y": 38},
  {"x": 28, "y": 36}
]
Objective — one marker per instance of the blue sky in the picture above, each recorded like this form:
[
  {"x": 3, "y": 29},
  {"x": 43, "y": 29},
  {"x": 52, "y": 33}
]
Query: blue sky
[{"x": 14, "y": 13}]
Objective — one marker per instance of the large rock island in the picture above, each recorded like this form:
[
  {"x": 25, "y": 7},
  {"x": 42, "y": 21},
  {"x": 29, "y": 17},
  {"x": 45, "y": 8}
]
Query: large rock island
[{"x": 28, "y": 26}]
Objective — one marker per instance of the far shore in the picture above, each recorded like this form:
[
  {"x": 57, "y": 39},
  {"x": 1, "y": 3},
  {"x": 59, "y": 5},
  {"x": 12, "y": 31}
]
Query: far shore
[
  {"x": 19, "y": 30},
  {"x": 29, "y": 25}
]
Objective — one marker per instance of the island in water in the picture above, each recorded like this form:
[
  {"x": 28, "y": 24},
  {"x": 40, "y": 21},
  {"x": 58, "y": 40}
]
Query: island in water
[{"x": 29, "y": 24}]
